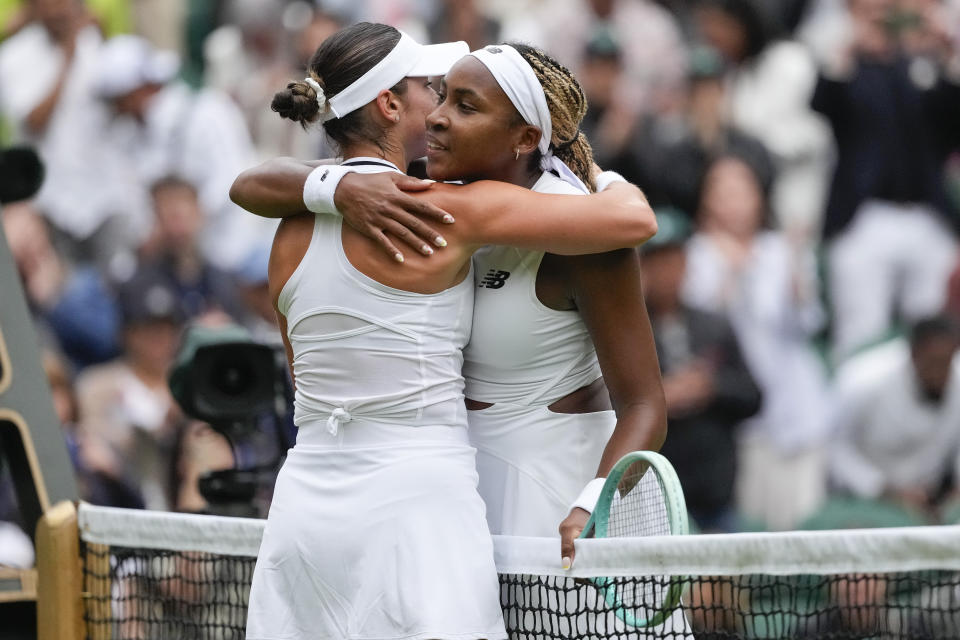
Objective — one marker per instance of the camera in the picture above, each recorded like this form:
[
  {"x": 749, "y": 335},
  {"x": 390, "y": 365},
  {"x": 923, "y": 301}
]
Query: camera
[{"x": 240, "y": 387}]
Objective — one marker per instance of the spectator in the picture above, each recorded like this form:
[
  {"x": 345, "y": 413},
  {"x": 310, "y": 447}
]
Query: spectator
[
  {"x": 463, "y": 20},
  {"x": 768, "y": 96},
  {"x": 708, "y": 388},
  {"x": 198, "y": 449},
  {"x": 126, "y": 404},
  {"x": 45, "y": 76},
  {"x": 654, "y": 54},
  {"x": 671, "y": 155},
  {"x": 74, "y": 304},
  {"x": 168, "y": 129},
  {"x": 893, "y": 110},
  {"x": 174, "y": 251},
  {"x": 898, "y": 417},
  {"x": 768, "y": 290}
]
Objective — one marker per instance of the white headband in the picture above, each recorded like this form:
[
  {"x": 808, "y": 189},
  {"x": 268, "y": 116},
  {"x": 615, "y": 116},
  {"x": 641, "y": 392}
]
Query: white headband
[
  {"x": 518, "y": 80},
  {"x": 408, "y": 58}
]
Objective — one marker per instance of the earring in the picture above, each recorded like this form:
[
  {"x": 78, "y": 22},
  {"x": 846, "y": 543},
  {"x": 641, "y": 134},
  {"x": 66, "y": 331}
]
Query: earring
[
  {"x": 516, "y": 155},
  {"x": 396, "y": 118}
]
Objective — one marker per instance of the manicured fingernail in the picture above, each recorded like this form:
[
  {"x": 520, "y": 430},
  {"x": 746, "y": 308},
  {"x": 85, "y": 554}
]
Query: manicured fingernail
[
  {"x": 566, "y": 563},
  {"x": 448, "y": 218},
  {"x": 426, "y": 249},
  {"x": 398, "y": 257},
  {"x": 439, "y": 241}
]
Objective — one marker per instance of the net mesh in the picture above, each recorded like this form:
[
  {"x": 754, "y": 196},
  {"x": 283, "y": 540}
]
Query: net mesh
[{"x": 162, "y": 576}]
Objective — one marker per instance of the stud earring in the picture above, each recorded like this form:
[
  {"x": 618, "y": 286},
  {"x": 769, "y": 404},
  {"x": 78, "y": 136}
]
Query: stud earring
[
  {"x": 396, "y": 118},
  {"x": 516, "y": 155}
]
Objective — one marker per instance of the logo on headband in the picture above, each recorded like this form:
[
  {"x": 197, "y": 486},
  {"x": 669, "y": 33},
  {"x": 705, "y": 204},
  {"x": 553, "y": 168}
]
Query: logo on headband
[{"x": 494, "y": 49}]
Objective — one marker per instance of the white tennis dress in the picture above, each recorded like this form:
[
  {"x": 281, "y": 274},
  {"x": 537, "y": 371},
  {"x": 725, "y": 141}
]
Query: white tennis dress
[
  {"x": 523, "y": 356},
  {"x": 376, "y": 530}
]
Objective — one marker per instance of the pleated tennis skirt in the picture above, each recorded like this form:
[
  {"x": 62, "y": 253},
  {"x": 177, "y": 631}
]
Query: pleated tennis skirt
[{"x": 376, "y": 533}]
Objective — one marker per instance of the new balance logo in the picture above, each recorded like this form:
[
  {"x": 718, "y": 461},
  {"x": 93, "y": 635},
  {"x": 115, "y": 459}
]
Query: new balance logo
[{"x": 494, "y": 279}]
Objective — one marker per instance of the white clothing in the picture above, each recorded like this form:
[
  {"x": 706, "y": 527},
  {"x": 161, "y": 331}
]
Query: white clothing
[
  {"x": 887, "y": 436},
  {"x": 769, "y": 98},
  {"x": 774, "y": 324},
  {"x": 200, "y": 136},
  {"x": 521, "y": 351},
  {"x": 376, "y": 529},
  {"x": 892, "y": 256},
  {"x": 523, "y": 356},
  {"x": 782, "y": 447},
  {"x": 87, "y": 180}
]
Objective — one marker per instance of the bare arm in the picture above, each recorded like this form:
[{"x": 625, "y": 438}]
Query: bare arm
[
  {"x": 498, "y": 213},
  {"x": 607, "y": 292}
]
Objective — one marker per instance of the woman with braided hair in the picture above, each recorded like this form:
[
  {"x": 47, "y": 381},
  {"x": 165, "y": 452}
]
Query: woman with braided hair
[{"x": 558, "y": 341}]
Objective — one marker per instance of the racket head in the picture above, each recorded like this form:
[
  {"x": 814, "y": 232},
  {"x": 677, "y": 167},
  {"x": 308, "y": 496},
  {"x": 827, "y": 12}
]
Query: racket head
[{"x": 641, "y": 497}]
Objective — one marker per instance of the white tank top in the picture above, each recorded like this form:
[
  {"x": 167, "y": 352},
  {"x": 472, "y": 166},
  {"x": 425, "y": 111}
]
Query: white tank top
[
  {"x": 521, "y": 351},
  {"x": 365, "y": 351}
]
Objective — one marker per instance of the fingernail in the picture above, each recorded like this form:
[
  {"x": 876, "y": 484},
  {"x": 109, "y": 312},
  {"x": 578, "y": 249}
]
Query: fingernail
[
  {"x": 448, "y": 218},
  {"x": 426, "y": 249},
  {"x": 440, "y": 242},
  {"x": 566, "y": 563},
  {"x": 398, "y": 257}
]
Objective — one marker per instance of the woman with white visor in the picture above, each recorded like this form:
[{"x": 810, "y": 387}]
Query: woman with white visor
[{"x": 376, "y": 529}]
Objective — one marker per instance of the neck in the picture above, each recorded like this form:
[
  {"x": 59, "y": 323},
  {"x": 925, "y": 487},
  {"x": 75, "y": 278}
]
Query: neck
[{"x": 391, "y": 153}]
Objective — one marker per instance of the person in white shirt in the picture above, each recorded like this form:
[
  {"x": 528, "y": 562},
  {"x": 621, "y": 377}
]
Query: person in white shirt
[
  {"x": 167, "y": 129},
  {"x": 897, "y": 417},
  {"x": 767, "y": 287},
  {"x": 46, "y": 76}
]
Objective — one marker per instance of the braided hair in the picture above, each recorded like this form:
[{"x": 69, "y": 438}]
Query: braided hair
[{"x": 568, "y": 105}]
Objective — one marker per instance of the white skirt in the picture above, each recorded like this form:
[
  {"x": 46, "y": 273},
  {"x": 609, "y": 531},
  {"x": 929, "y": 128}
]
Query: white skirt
[
  {"x": 376, "y": 533},
  {"x": 533, "y": 463}
]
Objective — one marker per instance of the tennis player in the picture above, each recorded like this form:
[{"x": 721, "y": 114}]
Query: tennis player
[{"x": 376, "y": 529}]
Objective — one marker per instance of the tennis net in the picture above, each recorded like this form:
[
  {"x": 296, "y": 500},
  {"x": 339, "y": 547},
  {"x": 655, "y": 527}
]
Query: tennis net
[{"x": 161, "y": 575}]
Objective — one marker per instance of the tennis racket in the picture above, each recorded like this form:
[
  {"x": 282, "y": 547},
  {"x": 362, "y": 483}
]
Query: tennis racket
[{"x": 641, "y": 497}]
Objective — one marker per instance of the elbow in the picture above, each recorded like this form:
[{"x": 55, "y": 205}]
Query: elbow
[
  {"x": 644, "y": 227},
  {"x": 236, "y": 190}
]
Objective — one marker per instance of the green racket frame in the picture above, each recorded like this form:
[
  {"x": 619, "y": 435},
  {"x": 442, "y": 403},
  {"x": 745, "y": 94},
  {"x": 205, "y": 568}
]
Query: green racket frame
[{"x": 597, "y": 526}]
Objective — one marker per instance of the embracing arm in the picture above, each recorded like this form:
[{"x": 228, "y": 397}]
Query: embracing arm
[
  {"x": 608, "y": 295},
  {"x": 487, "y": 212},
  {"x": 274, "y": 189}
]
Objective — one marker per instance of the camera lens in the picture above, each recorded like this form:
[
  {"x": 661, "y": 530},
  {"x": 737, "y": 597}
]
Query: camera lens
[{"x": 233, "y": 377}]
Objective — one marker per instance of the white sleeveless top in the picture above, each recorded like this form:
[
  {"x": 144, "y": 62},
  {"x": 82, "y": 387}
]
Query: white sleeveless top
[
  {"x": 363, "y": 350},
  {"x": 521, "y": 351}
]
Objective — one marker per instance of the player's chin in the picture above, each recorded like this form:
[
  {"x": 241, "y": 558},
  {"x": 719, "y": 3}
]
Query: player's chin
[{"x": 438, "y": 166}]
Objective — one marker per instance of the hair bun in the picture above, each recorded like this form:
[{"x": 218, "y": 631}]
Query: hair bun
[{"x": 298, "y": 102}]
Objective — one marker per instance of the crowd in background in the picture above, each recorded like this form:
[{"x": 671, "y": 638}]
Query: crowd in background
[{"x": 803, "y": 157}]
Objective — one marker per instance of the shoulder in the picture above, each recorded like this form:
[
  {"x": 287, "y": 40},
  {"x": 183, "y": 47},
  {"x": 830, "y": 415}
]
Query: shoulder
[{"x": 549, "y": 183}]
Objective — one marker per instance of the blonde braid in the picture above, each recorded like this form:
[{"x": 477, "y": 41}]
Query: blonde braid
[{"x": 568, "y": 106}]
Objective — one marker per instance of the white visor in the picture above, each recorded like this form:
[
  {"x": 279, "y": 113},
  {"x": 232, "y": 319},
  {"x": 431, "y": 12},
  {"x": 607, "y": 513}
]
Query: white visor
[{"x": 408, "y": 59}]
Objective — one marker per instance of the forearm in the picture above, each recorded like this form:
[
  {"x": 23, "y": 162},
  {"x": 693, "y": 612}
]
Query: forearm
[
  {"x": 273, "y": 189},
  {"x": 640, "y": 427}
]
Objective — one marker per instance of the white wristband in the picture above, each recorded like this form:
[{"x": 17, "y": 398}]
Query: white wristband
[
  {"x": 587, "y": 500},
  {"x": 606, "y": 178},
  {"x": 320, "y": 186}
]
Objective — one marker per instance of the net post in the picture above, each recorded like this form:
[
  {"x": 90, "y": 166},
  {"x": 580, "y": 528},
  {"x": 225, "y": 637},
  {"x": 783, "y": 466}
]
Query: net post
[
  {"x": 97, "y": 582},
  {"x": 59, "y": 577}
]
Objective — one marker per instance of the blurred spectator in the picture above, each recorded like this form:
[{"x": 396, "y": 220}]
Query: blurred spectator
[
  {"x": 93, "y": 462},
  {"x": 126, "y": 404},
  {"x": 893, "y": 110},
  {"x": 768, "y": 96},
  {"x": 168, "y": 129},
  {"x": 653, "y": 52},
  {"x": 198, "y": 449},
  {"x": 767, "y": 288},
  {"x": 173, "y": 249},
  {"x": 259, "y": 316},
  {"x": 898, "y": 417},
  {"x": 671, "y": 154},
  {"x": 464, "y": 20},
  {"x": 257, "y": 52},
  {"x": 45, "y": 76},
  {"x": 708, "y": 388},
  {"x": 73, "y": 303}
]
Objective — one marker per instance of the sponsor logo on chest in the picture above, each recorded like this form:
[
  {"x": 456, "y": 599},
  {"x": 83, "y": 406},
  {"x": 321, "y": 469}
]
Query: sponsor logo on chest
[{"x": 494, "y": 279}]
